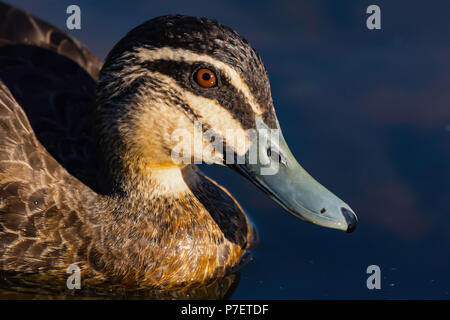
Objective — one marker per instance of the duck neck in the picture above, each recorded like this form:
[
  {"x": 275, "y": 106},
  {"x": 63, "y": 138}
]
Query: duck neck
[
  {"x": 171, "y": 220},
  {"x": 160, "y": 221}
]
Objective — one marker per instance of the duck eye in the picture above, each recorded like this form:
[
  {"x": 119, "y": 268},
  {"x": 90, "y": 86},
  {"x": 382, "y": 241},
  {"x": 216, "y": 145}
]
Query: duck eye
[{"x": 205, "y": 78}]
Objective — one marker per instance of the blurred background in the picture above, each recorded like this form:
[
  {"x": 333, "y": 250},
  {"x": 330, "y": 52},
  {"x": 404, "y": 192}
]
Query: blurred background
[{"x": 366, "y": 112}]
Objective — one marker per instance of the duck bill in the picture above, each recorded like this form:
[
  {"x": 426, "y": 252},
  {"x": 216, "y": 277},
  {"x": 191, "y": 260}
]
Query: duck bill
[{"x": 277, "y": 173}]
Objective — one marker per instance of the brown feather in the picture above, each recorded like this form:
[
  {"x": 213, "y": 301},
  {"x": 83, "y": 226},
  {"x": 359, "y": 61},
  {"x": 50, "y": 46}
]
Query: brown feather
[{"x": 52, "y": 210}]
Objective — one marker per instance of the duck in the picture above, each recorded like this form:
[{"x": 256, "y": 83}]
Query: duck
[{"x": 88, "y": 175}]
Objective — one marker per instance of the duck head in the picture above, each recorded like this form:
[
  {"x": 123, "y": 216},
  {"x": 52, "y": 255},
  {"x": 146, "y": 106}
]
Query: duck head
[{"x": 180, "y": 89}]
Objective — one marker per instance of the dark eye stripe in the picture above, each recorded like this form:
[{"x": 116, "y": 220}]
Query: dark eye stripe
[{"x": 224, "y": 93}]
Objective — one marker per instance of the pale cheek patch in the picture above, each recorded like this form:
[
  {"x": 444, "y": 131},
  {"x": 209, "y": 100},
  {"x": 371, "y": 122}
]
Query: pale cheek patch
[
  {"x": 160, "y": 125},
  {"x": 220, "y": 120},
  {"x": 168, "y": 181}
]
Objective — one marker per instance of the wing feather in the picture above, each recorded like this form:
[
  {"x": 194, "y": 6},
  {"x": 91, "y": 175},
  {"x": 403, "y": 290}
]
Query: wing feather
[
  {"x": 46, "y": 98},
  {"x": 53, "y": 79}
]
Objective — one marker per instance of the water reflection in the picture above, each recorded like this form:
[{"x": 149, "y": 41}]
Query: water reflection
[{"x": 16, "y": 285}]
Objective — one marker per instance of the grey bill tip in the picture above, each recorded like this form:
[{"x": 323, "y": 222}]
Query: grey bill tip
[{"x": 351, "y": 220}]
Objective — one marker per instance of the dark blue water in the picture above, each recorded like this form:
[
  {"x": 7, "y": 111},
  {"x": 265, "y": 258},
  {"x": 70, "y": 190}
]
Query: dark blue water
[{"x": 367, "y": 113}]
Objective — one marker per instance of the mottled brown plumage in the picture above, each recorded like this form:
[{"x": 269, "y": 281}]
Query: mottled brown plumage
[{"x": 53, "y": 210}]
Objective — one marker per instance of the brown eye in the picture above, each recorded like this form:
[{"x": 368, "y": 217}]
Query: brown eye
[{"x": 206, "y": 78}]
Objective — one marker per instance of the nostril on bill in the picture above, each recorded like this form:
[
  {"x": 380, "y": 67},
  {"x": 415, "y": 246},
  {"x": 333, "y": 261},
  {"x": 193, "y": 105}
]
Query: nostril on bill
[{"x": 350, "y": 218}]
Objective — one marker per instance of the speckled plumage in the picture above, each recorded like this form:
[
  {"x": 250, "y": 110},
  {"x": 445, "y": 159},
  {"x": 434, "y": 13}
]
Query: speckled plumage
[{"x": 53, "y": 209}]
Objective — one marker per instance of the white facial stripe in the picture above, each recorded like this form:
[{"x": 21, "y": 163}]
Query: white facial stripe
[{"x": 167, "y": 53}]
